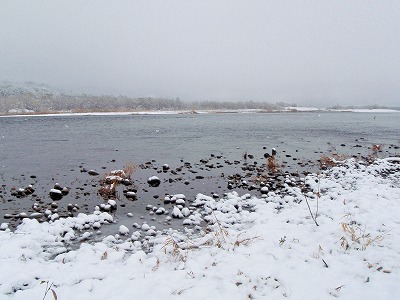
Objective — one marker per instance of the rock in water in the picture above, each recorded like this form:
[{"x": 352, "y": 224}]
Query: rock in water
[
  {"x": 57, "y": 186},
  {"x": 123, "y": 230},
  {"x": 154, "y": 181},
  {"x": 92, "y": 173},
  {"x": 55, "y": 194},
  {"x": 113, "y": 204},
  {"x": 65, "y": 191},
  {"x": 176, "y": 213},
  {"x": 131, "y": 195}
]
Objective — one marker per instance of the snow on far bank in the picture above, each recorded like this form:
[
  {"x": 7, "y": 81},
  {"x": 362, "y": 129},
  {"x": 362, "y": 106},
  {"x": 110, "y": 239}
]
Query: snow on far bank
[
  {"x": 23, "y": 113},
  {"x": 63, "y": 114},
  {"x": 20, "y": 111},
  {"x": 377, "y": 110},
  {"x": 301, "y": 108},
  {"x": 259, "y": 248}
]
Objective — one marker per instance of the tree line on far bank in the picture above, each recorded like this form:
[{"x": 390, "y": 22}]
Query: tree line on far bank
[
  {"x": 49, "y": 103},
  {"x": 53, "y": 103}
]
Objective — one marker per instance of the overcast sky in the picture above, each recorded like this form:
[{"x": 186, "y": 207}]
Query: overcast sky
[{"x": 307, "y": 52}]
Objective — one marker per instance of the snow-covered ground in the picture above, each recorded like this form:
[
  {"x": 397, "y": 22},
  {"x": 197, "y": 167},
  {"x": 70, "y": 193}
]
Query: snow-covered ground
[{"x": 258, "y": 248}]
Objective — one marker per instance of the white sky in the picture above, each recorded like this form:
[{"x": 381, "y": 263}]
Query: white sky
[{"x": 307, "y": 52}]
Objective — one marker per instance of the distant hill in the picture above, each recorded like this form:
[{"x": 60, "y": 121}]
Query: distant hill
[
  {"x": 30, "y": 98},
  {"x": 8, "y": 89}
]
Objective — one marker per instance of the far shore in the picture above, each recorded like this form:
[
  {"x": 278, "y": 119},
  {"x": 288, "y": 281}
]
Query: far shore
[{"x": 21, "y": 113}]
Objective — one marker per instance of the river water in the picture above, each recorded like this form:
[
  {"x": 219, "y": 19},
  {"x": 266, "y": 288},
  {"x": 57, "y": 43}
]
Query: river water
[
  {"x": 54, "y": 143},
  {"x": 46, "y": 149}
]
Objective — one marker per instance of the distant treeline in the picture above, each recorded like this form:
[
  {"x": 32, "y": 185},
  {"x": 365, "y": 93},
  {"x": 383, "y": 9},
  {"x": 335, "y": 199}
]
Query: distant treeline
[
  {"x": 83, "y": 103},
  {"x": 339, "y": 107}
]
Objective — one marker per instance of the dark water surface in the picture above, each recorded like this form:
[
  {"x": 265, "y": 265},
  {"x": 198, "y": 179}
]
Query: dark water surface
[{"x": 45, "y": 150}]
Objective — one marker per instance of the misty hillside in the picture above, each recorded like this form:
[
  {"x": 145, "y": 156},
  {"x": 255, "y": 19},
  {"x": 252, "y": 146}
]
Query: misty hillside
[
  {"x": 8, "y": 89},
  {"x": 29, "y": 97}
]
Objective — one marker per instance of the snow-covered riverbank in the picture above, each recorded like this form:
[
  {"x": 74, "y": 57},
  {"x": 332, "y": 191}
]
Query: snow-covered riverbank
[
  {"x": 267, "y": 247},
  {"x": 154, "y": 112},
  {"x": 17, "y": 113}
]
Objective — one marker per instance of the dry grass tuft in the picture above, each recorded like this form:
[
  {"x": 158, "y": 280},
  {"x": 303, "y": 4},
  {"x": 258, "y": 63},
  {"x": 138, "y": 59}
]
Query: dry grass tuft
[
  {"x": 272, "y": 164},
  {"x": 112, "y": 179},
  {"x": 129, "y": 169},
  {"x": 376, "y": 147},
  {"x": 179, "y": 251},
  {"x": 110, "y": 190},
  {"x": 176, "y": 250},
  {"x": 359, "y": 238},
  {"x": 244, "y": 241},
  {"x": 260, "y": 178},
  {"x": 220, "y": 234},
  {"x": 49, "y": 288},
  {"x": 214, "y": 236},
  {"x": 326, "y": 162}
]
